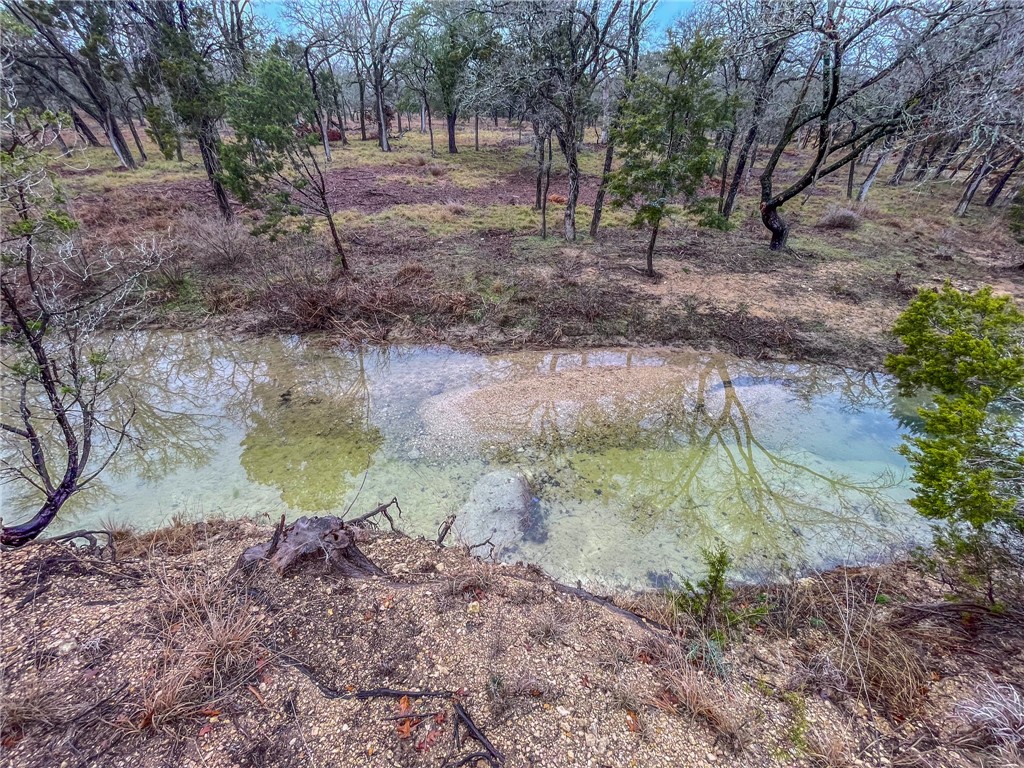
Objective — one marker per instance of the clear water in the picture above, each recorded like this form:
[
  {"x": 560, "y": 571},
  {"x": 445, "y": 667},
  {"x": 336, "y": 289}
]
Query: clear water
[{"x": 635, "y": 460}]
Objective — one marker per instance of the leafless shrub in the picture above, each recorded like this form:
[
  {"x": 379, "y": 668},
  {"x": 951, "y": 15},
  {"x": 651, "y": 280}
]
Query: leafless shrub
[
  {"x": 998, "y": 710},
  {"x": 821, "y": 675},
  {"x": 211, "y": 242},
  {"x": 416, "y": 160},
  {"x": 841, "y": 218},
  {"x": 436, "y": 170},
  {"x": 569, "y": 267},
  {"x": 455, "y": 208}
]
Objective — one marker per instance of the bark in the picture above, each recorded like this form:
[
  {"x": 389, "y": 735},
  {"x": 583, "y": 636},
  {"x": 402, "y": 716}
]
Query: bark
[
  {"x": 973, "y": 183},
  {"x": 740, "y": 171},
  {"x": 84, "y": 130},
  {"x": 118, "y": 143},
  {"x": 997, "y": 189},
  {"x": 430, "y": 129},
  {"x": 423, "y": 117},
  {"x": 570, "y": 149},
  {"x": 19, "y": 535},
  {"x": 138, "y": 141},
  {"x": 362, "y": 109},
  {"x": 547, "y": 186},
  {"x": 650, "y": 247},
  {"x": 327, "y": 540},
  {"x": 209, "y": 149},
  {"x": 609, "y": 156},
  {"x": 382, "y": 122},
  {"x": 776, "y": 225},
  {"x": 901, "y": 166},
  {"x": 476, "y": 132},
  {"x": 450, "y": 118},
  {"x": 865, "y": 186}
]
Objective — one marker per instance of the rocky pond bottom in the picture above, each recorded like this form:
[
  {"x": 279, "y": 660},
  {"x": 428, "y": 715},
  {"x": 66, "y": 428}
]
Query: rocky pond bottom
[{"x": 614, "y": 467}]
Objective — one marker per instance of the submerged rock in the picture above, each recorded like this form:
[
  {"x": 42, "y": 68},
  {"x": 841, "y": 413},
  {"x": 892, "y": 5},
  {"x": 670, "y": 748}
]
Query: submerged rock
[{"x": 500, "y": 508}]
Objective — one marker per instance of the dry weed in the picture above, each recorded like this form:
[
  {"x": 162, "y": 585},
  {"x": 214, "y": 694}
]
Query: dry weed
[
  {"x": 208, "y": 640},
  {"x": 997, "y": 709},
  {"x": 841, "y": 218},
  {"x": 211, "y": 242},
  {"x": 706, "y": 700},
  {"x": 829, "y": 750},
  {"x": 30, "y": 704},
  {"x": 551, "y": 624}
]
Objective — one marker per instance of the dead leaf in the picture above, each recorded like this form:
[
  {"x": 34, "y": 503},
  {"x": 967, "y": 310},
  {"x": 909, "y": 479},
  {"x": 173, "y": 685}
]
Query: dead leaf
[
  {"x": 633, "y": 721},
  {"x": 206, "y": 730},
  {"x": 209, "y": 712},
  {"x": 439, "y": 718},
  {"x": 404, "y": 706},
  {"x": 427, "y": 741},
  {"x": 404, "y": 728}
]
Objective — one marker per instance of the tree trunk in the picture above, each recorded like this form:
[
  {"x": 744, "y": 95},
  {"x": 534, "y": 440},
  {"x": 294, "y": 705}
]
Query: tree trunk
[
  {"x": 382, "y": 121},
  {"x": 423, "y": 117},
  {"x": 399, "y": 116},
  {"x": 84, "y": 130},
  {"x": 741, "y": 169},
  {"x": 776, "y": 225},
  {"x": 973, "y": 183},
  {"x": 865, "y": 187},
  {"x": 998, "y": 188},
  {"x": 901, "y": 166},
  {"x": 450, "y": 118},
  {"x": 609, "y": 156},
  {"x": 476, "y": 132},
  {"x": 118, "y": 144},
  {"x": 342, "y": 261},
  {"x": 138, "y": 141},
  {"x": 362, "y": 109},
  {"x": 539, "y": 202},
  {"x": 547, "y": 186},
  {"x": 650, "y": 247},
  {"x": 19, "y": 535},
  {"x": 430, "y": 129},
  {"x": 570, "y": 149},
  {"x": 208, "y": 148}
]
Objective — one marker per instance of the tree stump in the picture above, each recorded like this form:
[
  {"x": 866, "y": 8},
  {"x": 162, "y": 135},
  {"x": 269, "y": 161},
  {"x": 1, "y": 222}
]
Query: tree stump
[{"x": 330, "y": 539}]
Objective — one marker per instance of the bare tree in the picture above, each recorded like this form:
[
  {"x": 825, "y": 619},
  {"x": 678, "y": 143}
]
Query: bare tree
[{"x": 69, "y": 413}]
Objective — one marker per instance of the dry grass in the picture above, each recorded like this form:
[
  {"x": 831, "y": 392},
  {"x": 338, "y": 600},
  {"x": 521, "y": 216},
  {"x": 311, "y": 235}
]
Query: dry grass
[
  {"x": 841, "y": 218},
  {"x": 212, "y": 243},
  {"x": 551, "y": 624},
  {"x": 30, "y": 704},
  {"x": 706, "y": 700},
  {"x": 881, "y": 667},
  {"x": 997, "y": 710},
  {"x": 208, "y": 640},
  {"x": 829, "y": 750}
]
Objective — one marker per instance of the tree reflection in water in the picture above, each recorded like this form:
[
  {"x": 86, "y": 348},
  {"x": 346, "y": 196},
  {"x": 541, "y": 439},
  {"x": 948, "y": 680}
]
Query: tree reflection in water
[
  {"x": 690, "y": 457},
  {"x": 312, "y": 440}
]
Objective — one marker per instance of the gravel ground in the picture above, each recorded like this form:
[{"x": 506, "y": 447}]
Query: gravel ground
[{"x": 162, "y": 659}]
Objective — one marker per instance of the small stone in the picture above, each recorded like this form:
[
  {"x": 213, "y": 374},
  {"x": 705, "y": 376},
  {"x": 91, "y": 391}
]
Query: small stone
[
  {"x": 473, "y": 608},
  {"x": 439, "y": 567},
  {"x": 562, "y": 711}
]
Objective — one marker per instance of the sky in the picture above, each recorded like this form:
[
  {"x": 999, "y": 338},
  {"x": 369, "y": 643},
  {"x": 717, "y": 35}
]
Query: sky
[{"x": 665, "y": 14}]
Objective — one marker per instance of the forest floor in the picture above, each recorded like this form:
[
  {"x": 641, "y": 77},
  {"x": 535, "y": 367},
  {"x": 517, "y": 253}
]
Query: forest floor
[
  {"x": 447, "y": 249},
  {"x": 164, "y": 657}
]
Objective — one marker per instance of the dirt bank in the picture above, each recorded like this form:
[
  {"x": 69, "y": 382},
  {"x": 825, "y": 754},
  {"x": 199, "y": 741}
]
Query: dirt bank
[{"x": 162, "y": 658}]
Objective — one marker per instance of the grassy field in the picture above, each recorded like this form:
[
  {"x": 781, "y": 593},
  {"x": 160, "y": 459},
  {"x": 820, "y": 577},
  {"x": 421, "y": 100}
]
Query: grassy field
[{"x": 448, "y": 248}]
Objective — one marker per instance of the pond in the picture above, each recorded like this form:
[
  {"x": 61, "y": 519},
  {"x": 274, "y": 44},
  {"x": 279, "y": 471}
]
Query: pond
[{"x": 614, "y": 467}]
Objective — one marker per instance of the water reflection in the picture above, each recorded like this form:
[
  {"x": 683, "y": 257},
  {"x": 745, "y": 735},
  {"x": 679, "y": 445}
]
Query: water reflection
[
  {"x": 310, "y": 440},
  {"x": 637, "y": 458}
]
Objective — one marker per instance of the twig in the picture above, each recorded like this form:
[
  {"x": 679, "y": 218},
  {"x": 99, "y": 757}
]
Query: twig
[
  {"x": 444, "y": 529},
  {"x": 491, "y": 754}
]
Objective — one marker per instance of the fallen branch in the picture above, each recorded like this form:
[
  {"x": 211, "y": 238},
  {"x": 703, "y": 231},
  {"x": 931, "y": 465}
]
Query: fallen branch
[{"x": 491, "y": 755}]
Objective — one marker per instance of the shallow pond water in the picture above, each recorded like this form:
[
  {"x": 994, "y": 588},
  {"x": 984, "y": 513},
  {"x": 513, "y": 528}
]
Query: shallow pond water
[{"x": 623, "y": 464}]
